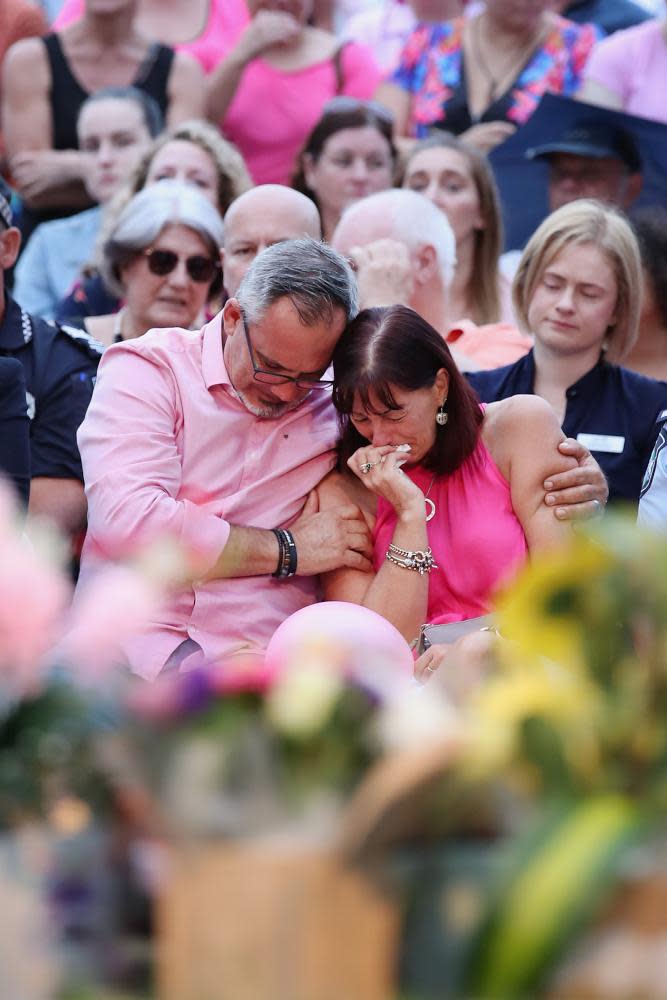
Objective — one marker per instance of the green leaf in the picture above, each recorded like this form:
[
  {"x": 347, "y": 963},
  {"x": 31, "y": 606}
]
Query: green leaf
[{"x": 548, "y": 896}]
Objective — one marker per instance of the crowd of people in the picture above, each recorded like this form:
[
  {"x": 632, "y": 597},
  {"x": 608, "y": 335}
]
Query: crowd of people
[{"x": 257, "y": 298}]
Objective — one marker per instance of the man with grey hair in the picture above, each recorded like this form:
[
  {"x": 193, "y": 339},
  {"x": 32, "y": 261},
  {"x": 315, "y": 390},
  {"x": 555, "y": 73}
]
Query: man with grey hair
[
  {"x": 217, "y": 439},
  {"x": 404, "y": 252}
]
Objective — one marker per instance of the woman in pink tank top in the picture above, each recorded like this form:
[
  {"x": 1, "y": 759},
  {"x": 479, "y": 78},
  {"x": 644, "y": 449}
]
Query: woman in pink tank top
[{"x": 453, "y": 490}]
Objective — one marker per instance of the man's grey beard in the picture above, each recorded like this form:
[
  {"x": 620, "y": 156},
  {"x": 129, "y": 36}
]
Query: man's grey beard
[{"x": 269, "y": 412}]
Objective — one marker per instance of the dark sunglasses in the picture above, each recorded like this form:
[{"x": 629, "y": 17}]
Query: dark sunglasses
[{"x": 199, "y": 268}]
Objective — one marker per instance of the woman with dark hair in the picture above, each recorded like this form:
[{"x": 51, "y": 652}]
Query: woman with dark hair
[
  {"x": 648, "y": 356},
  {"x": 349, "y": 154},
  {"x": 454, "y": 490}
]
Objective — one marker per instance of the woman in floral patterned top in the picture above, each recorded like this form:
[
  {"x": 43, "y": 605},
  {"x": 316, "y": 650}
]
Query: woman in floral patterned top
[{"x": 483, "y": 76}]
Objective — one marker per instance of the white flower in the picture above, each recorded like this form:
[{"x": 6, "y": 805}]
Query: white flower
[{"x": 302, "y": 700}]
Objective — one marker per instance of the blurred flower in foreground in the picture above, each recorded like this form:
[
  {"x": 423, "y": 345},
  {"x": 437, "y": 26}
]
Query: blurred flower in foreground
[
  {"x": 303, "y": 698},
  {"x": 33, "y": 596},
  {"x": 543, "y": 609},
  {"x": 114, "y": 606},
  {"x": 574, "y": 719}
]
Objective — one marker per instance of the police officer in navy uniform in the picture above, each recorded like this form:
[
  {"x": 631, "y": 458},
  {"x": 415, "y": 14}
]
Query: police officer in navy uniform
[
  {"x": 59, "y": 367},
  {"x": 14, "y": 427}
]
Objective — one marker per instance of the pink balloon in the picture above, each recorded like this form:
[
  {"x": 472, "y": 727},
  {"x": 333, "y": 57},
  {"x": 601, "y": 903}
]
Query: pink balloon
[{"x": 351, "y": 637}]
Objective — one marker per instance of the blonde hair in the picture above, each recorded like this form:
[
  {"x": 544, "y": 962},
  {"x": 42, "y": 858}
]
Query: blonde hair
[
  {"x": 586, "y": 221},
  {"x": 233, "y": 176}
]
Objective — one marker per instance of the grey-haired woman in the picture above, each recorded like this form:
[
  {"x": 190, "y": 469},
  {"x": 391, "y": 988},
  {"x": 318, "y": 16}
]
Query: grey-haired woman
[{"x": 162, "y": 258}]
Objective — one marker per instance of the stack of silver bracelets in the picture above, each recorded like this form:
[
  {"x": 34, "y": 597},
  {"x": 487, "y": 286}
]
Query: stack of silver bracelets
[{"x": 421, "y": 561}]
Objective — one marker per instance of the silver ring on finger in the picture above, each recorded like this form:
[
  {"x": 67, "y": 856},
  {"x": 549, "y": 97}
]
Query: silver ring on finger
[
  {"x": 366, "y": 467},
  {"x": 598, "y": 507},
  {"x": 431, "y": 669}
]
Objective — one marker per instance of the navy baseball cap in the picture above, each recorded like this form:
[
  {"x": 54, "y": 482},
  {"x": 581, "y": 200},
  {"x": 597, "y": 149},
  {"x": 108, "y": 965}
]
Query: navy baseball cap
[{"x": 594, "y": 139}]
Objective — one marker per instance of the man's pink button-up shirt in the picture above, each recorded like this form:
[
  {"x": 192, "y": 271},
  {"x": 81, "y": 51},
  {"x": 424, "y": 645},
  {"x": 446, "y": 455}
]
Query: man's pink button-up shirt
[{"x": 169, "y": 450}]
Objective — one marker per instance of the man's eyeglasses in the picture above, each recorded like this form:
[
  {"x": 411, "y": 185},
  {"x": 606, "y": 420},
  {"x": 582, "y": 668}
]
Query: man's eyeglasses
[
  {"x": 200, "y": 268},
  {"x": 276, "y": 378}
]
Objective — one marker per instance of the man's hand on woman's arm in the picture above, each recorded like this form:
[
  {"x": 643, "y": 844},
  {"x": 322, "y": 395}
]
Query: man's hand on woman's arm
[
  {"x": 324, "y": 540},
  {"x": 581, "y": 492}
]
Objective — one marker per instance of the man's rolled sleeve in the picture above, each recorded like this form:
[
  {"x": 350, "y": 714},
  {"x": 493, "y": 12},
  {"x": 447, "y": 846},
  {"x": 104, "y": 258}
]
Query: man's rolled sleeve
[{"x": 133, "y": 466}]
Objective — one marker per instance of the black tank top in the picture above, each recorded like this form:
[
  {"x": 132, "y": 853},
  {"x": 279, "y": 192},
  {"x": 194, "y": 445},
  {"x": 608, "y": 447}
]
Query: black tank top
[{"x": 67, "y": 94}]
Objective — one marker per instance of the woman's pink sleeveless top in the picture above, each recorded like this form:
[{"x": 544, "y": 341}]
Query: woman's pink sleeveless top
[{"x": 477, "y": 540}]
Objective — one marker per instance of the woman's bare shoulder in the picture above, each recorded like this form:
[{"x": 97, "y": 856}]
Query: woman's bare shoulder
[
  {"x": 513, "y": 412},
  {"x": 524, "y": 427}
]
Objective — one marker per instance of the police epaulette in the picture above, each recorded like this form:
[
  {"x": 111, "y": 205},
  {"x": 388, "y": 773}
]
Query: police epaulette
[{"x": 81, "y": 337}]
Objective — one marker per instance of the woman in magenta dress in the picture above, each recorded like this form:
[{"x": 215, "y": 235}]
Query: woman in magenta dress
[
  {"x": 270, "y": 90},
  {"x": 453, "y": 490}
]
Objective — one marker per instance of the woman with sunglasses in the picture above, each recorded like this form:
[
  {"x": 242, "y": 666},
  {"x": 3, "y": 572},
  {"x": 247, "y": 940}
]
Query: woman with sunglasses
[
  {"x": 348, "y": 155},
  {"x": 162, "y": 259},
  {"x": 193, "y": 152}
]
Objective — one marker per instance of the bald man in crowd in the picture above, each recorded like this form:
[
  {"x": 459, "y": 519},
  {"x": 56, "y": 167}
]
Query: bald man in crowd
[{"x": 259, "y": 218}]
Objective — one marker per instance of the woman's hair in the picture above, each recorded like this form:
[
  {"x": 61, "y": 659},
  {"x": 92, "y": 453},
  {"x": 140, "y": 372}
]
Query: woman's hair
[
  {"x": 650, "y": 226},
  {"x": 144, "y": 218},
  {"x": 489, "y": 240},
  {"x": 394, "y": 347},
  {"x": 150, "y": 109},
  {"x": 233, "y": 176},
  {"x": 586, "y": 222},
  {"x": 341, "y": 113}
]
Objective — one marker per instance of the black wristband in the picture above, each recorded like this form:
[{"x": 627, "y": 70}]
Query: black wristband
[
  {"x": 291, "y": 552},
  {"x": 287, "y": 557},
  {"x": 281, "y": 551}
]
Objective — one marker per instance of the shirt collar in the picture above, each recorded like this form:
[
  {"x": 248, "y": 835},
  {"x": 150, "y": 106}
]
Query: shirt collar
[
  {"x": 592, "y": 379},
  {"x": 525, "y": 366},
  {"x": 212, "y": 360},
  {"x": 16, "y": 328}
]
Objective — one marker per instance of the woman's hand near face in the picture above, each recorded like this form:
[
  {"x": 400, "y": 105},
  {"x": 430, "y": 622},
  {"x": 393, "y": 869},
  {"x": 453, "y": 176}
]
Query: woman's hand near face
[
  {"x": 386, "y": 479},
  {"x": 268, "y": 28},
  {"x": 399, "y": 595}
]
